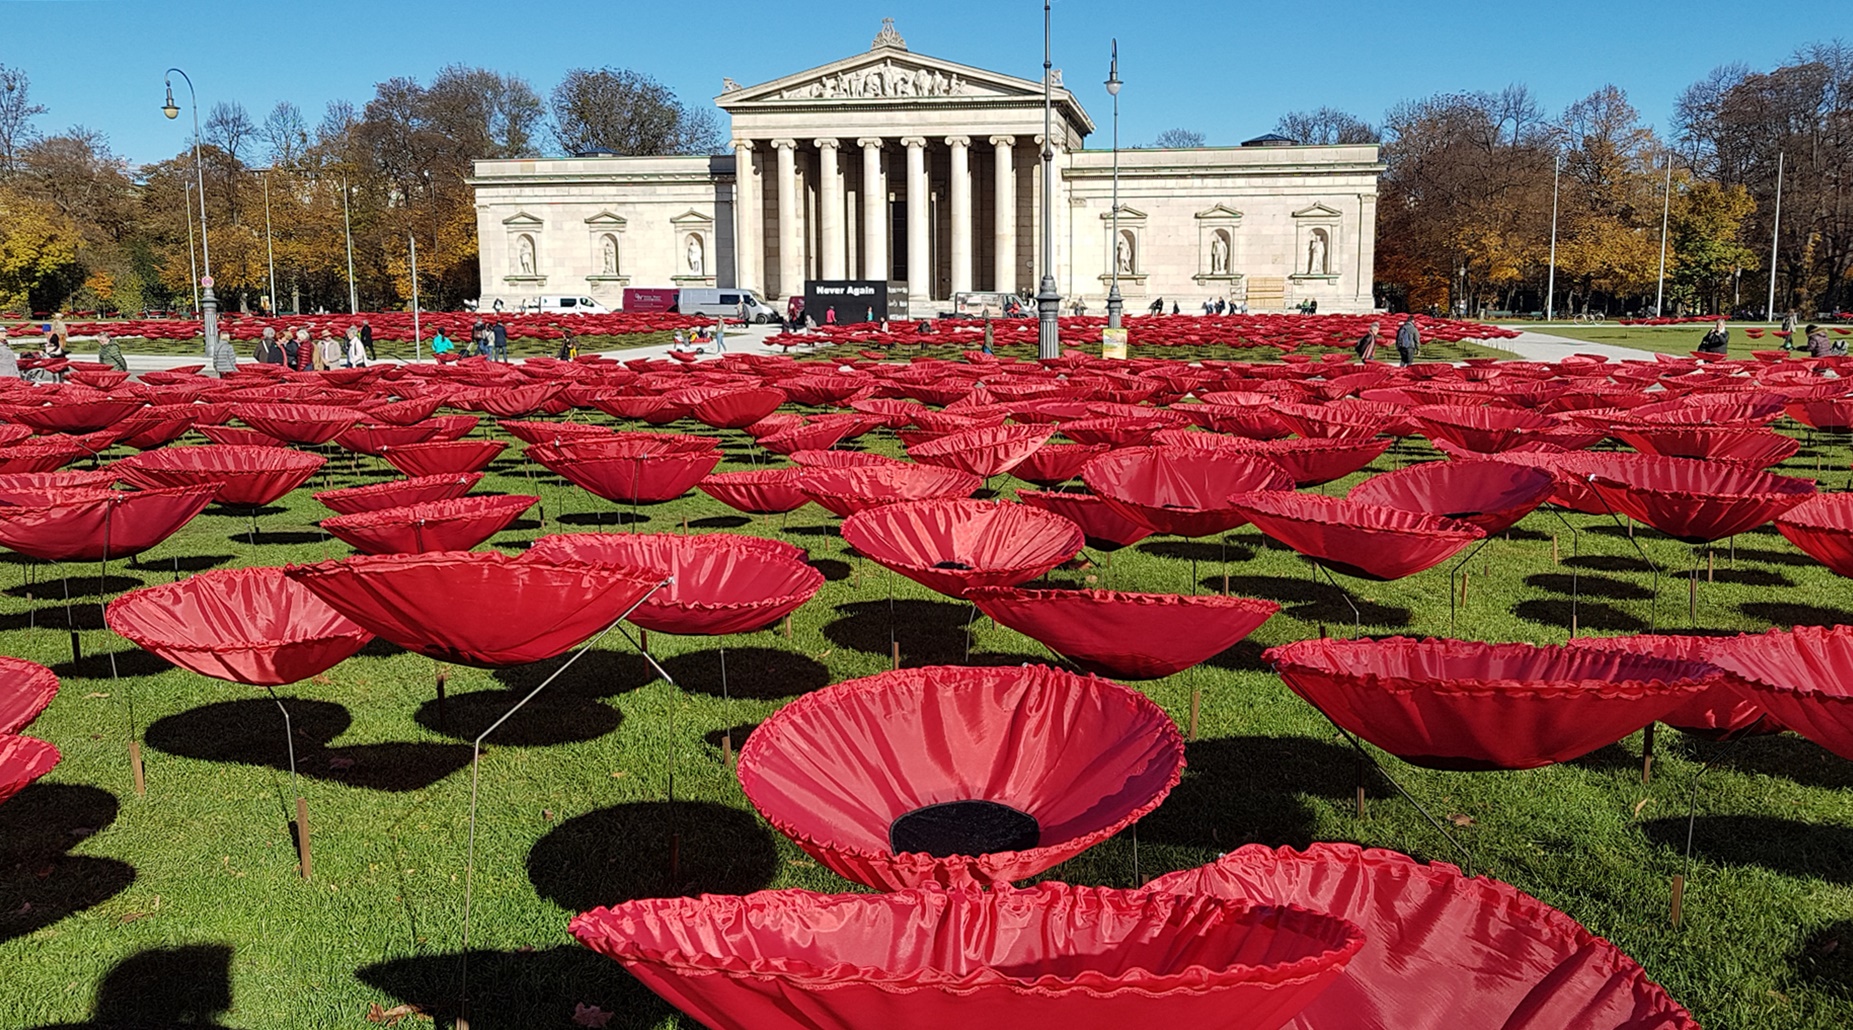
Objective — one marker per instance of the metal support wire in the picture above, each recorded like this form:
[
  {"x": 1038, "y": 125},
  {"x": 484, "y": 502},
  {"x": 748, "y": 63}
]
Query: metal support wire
[
  {"x": 1576, "y": 540},
  {"x": 306, "y": 865},
  {"x": 476, "y": 754},
  {"x": 1357, "y": 617},
  {"x": 1653, "y": 617},
  {"x": 1454, "y": 571},
  {"x": 1453, "y": 841},
  {"x": 1692, "y": 809}
]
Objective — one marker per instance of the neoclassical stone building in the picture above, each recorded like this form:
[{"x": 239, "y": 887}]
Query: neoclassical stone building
[{"x": 890, "y": 165}]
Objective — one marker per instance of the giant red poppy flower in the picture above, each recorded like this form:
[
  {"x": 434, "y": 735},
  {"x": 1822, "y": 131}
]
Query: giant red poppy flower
[
  {"x": 77, "y": 417},
  {"x": 983, "y": 452},
  {"x": 1719, "y": 713},
  {"x": 1699, "y": 501},
  {"x": 453, "y": 524},
  {"x": 959, "y": 776},
  {"x": 155, "y": 427},
  {"x": 840, "y": 459},
  {"x": 25, "y": 689},
  {"x": 1493, "y": 495},
  {"x": 1082, "y": 958},
  {"x": 33, "y": 483},
  {"x": 542, "y": 608},
  {"x": 819, "y": 434},
  {"x": 1482, "y": 429},
  {"x": 1055, "y": 463},
  {"x": 845, "y": 491},
  {"x": 1115, "y": 431},
  {"x": 953, "y": 545},
  {"x": 1834, "y": 413},
  {"x": 1442, "y": 951},
  {"x": 1822, "y": 526},
  {"x": 1308, "y": 462},
  {"x": 397, "y": 493},
  {"x": 720, "y": 582},
  {"x": 248, "y": 477},
  {"x": 1102, "y": 525},
  {"x": 234, "y": 436},
  {"x": 406, "y": 412},
  {"x": 1748, "y": 445},
  {"x": 249, "y": 625},
  {"x": 1129, "y": 636},
  {"x": 1364, "y": 540},
  {"x": 11, "y": 434},
  {"x": 1178, "y": 490},
  {"x": 756, "y": 491},
  {"x": 444, "y": 457},
  {"x": 22, "y": 760},
  {"x": 626, "y": 470},
  {"x": 40, "y": 455},
  {"x": 1463, "y": 704},
  {"x": 307, "y": 424},
  {"x": 94, "y": 524},
  {"x": 376, "y": 439},
  {"x": 515, "y": 401},
  {"x": 1803, "y": 677},
  {"x": 1334, "y": 422},
  {"x": 552, "y": 432},
  {"x": 737, "y": 409}
]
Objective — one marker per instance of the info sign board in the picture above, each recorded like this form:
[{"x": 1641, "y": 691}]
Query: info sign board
[
  {"x": 1113, "y": 343},
  {"x": 854, "y": 300}
]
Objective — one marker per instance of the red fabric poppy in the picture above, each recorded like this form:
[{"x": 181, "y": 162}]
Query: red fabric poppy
[
  {"x": 1463, "y": 704},
  {"x": 818, "y": 434},
  {"x": 515, "y": 401},
  {"x": 94, "y": 524},
  {"x": 453, "y": 524},
  {"x": 446, "y": 457},
  {"x": 551, "y": 432},
  {"x": 376, "y": 439},
  {"x": 983, "y": 452},
  {"x": 845, "y": 491},
  {"x": 1720, "y": 713},
  {"x": 736, "y": 409},
  {"x": 1080, "y": 756},
  {"x": 1483, "y": 429},
  {"x": 307, "y": 424},
  {"x": 1493, "y": 495},
  {"x": 1128, "y": 636},
  {"x": 40, "y": 455},
  {"x": 1699, "y": 501},
  {"x": 25, "y": 689},
  {"x": 1179, "y": 490},
  {"x": 721, "y": 582},
  {"x": 77, "y": 417},
  {"x": 233, "y": 436},
  {"x": 1308, "y": 462},
  {"x": 398, "y": 493},
  {"x": 1364, "y": 540},
  {"x": 756, "y": 491},
  {"x": 1055, "y": 463},
  {"x": 542, "y": 609},
  {"x": 1803, "y": 677},
  {"x": 406, "y": 412},
  {"x": 953, "y": 545},
  {"x": 1102, "y": 525},
  {"x": 625, "y": 472},
  {"x": 1748, "y": 445},
  {"x": 22, "y": 760},
  {"x": 1116, "y": 431},
  {"x": 1822, "y": 527},
  {"x": 840, "y": 459},
  {"x": 1442, "y": 951},
  {"x": 33, "y": 483},
  {"x": 250, "y": 625},
  {"x": 248, "y": 477},
  {"x": 1082, "y": 958},
  {"x": 1336, "y": 422},
  {"x": 453, "y": 427}
]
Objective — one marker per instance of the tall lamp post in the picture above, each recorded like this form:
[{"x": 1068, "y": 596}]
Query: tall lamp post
[
  {"x": 270, "y": 253},
  {"x": 1550, "y": 289},
  {"x": 209, "y": 304},
  {"x": 1048, "y": 296},
  {"x": 192, "y": 254},
  {"x": 1115, "y": 303},
  {"x": 1775, "y": 238},
  {"x": 1666, "y": 208},
  {"x": 347, "y": 227}
]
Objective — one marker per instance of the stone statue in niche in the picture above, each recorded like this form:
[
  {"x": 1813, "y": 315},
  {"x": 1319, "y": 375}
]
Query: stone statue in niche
[
  {"x": 524, "y": 255},
  {"x": 1219, "y": 254},
  {"x": 1122, "y": 255},
  {"x": 611, "y": 256},
  {"x": 1315, "y": 254},
  {"x": 695, "y": 262}
]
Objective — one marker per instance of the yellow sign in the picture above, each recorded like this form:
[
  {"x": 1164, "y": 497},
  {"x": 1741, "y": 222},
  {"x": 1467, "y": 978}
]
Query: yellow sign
[{"x": 1113, "y": 343}]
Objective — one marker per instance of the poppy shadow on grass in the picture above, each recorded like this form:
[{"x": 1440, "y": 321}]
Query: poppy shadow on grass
[
  {"x": 720, "y": 522},
  {"x": 1557, "y": 612},
  {"x": 603, "y": 518},
  {"x": 551, "y": 718},
  {"x": 616, "y": 854},
  {"x": 928, "y": 632},
  {"x": 1204, "y": 552},
  {"x": 1792, "y": 757},
  {"x": 1241, "y": 789},
  {"x": 1786, "y": 846},
  {"x": 1608, "y": 563},
  {"x": 82, "y": 615},
  {"x": 1764, "y": 557},
  {"x": 265, "y": 537},
  {"x": 1588, "y": 585},
  {"x": 82, "y": 581},
  {"x": 1825, "y": 958},
  {"x": 756, "y": 673},
  {"x": 127, "y": 664},
  {"x": 832, "y": 570},
  {"x": 1788, "y": 613},
  {"x": 540, "y": 988},
  {"x": 189, "y": 986},
  {"x": 1317, "y": 601},
  {"x": 600, "y": 673},
  {"x": 250, "y": 732},
  {"x": 38, "y": 828}
]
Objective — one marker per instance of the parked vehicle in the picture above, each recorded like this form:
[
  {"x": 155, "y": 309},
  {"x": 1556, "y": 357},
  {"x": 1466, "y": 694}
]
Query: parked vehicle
[
  {"x": 725, "y": 303},
  {"x": 995, "y": 305},
  {"x": 560, "y": 304},
  {"x": 640, "y": 299}
]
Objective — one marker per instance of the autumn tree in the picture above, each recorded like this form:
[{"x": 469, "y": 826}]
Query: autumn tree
[
  {"x": 627, "y": 112},
  {"x": 38, "y": 252},
  {"x": 1326, "y": 126}
]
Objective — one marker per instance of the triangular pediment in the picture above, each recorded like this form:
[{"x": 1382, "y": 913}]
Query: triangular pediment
[
  {"x": 883, "y": 75},
  {"x": 606, "y": 220},
  {"x": 1316, "y": 211},
  {"x": 692, "y": 217},
  {"x": 522, "y": 220},
  {"x": 1220, "y": 212},
  {"x": 1128, "y": 213}
]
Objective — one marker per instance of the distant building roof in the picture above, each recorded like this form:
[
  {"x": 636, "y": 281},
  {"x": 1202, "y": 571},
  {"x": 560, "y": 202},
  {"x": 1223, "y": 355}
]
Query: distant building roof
[
  {"x": 1272, "y": 139},
  {"x": 597, "y": 152}
]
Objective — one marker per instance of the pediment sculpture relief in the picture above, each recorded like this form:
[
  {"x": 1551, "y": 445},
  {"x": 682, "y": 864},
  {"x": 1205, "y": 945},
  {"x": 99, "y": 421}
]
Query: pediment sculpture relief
[{"x": 880, "y": 81}]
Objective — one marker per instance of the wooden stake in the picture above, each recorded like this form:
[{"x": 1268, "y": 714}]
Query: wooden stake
[
  {"x": 135, "y": 766},
  {"x": 897, "y": 653},
  {"x": 727, "y": 750},
  {"x": 1711, "y": 566},
  {"x": 1692, "y": 597},
  {"x": 1555, "y": 560},
  {"x": 1679, "y": 897},
  {"x": 643, "y": 640},
  {"x": 787, "y": 627},
  {"x": 1647, "y": 754},
  {"x": 302, "y": 838},
  {"x": 1196, "y": 701},
  {"x": 1361, "y": 775},
  {"x": 1466, "y": 574}
]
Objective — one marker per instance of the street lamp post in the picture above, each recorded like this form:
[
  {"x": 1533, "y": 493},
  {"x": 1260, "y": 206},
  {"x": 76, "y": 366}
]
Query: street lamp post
[
  {"x": 192, "y": 258},
  {"x": 1115, "y": 303},
  {"x": 1048, "y": 296},
  {"x": 1550, "y": 289},
  {"x": 347, "y": 227},
  {"x": 270, "y": 253},
  {"x": 1666, "y": 207},
  {"x": 1775, "y": 238},
  {"x": 208, "y": 304}
]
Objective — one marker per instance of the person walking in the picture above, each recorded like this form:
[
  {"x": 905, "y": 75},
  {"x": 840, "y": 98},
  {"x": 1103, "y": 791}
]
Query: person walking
[
  {"x": 1367, "y": 344},
  {"x": 59, "y": 330},
  {"x": 1787, "y": 332},
  {"x": 109, "y": 352},
  {"x": 366, "y": 337},
  {"x": 9, "y": 358},
  {"x": 1818, "y": 345},
  {"x": 1718, "y": 341},
  {"x": 1408, "y": 341},
  {"x": 498, "y": 337},
  {"x": 356, "y": 350}
]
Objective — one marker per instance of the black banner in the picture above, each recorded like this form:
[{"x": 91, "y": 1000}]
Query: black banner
[{"x": 854, "y": 300}]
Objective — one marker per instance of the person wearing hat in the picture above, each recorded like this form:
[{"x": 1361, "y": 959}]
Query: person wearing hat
[
  {"x": 1818, "y": 345},
  {"x": 109, "y": 352},
  {"x": 9, "y": 358}
]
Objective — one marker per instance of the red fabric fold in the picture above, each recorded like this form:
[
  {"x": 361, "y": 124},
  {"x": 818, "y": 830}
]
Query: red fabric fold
[
  {"x": 1126, "y": 635},
  {"x": 93, "y": 524},
  {"x": 445, "y": 457},
  {"x": 756, "y": 491},
  {"x": 1364, "y": 540},
  {"x": 1698, "y": 501},
  {"x": 1803, "y": 677},
  {"x": 25, "y": 689},
  {"x": 722, "y": 582},
  {"x": 954, "y": 545},
  {"x": 22, "y": 760},
  {"x": 398, "y": 493},
  {"x": 1180, "y": 490},
  {"x": 983, "y": 452},
  {"x": 248, "y": 477},
  {"x": 452, "y": 524},
  {"x": 1490, "y": 494},
  {"x": 843, "y": 491}
]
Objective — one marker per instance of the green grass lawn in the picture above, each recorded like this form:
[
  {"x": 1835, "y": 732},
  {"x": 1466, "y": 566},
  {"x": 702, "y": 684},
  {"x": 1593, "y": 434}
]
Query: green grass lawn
[
  {"x": 184, "y": 905},
  {"x": 1667, "y": 339},
  {"x": 395, "y": 350}
]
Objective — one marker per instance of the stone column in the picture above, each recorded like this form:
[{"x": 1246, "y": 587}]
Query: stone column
[
  {"x": 961, "y": 213},
  {"x": 919, "y": 276},
  {"x": 829, "y": 211},
  {"x": 1004, "y": 233},
  {"x": 748, "y": 234},
  {"x": 791, "y": 228},
  {"x": 874, "y": 211}
]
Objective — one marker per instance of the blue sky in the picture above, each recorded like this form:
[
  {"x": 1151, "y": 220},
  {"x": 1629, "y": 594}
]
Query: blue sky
[{"x": 1225, "y": 70}]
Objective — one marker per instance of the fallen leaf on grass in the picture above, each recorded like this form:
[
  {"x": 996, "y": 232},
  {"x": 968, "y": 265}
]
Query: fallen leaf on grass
[
  {"x": 801, "y": 863},
  {"x": 591, "y": 1015},
  {"x": 129, "y": 917},
  {"x": 322, "y": 679},
  {"x": 1638, "y": 805},
  {"x": 1461, "y": 819},
  {"x": 392, "y": 1016},
  {"x": 96, "y": 693}
]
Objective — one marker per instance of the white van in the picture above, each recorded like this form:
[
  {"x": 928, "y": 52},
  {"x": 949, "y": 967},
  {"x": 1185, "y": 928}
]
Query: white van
[
  {"x": 557, "y": 304},
  {"x": 726, "y": 304}
]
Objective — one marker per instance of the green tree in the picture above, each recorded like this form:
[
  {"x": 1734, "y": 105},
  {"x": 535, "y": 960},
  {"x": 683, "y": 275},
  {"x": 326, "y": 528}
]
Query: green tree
[{"x": 1704, "y": 242}]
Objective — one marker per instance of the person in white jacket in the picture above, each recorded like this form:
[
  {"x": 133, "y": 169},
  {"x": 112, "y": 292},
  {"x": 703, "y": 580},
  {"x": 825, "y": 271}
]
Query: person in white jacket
[{"x": 356, "y": 350}]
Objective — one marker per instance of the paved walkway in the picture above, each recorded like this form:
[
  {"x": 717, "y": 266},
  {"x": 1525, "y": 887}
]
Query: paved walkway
[{"x": 1536, "y": 346}]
